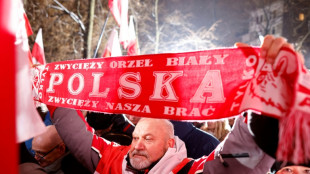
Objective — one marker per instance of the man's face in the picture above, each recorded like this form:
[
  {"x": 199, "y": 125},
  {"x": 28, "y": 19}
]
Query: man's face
[
  {"x": 133, "y": 119},
  {"x": 46, "y": 157},
  {"x": 149, "y": 144},
  {"x": 294, "y": 170}
]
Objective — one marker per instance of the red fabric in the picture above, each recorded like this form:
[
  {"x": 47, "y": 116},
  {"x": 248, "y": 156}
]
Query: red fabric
[
  {"x": 295, "y": 145},
  {"x": 30, "y": 58},
  {"x": 126, "y": 128},
  {"x": 294, "y": 138},
  {"x": 198, "y": 85},
  {"x": 112, "y": 47},
  {"x": 9, "y": 160},
  {"x": 88, "y": 127},
  {"x": 132, "y": 40},
  {"x": 106, "y": 53},
  {"x": 27, "y": 25},
  {"x": 181, "y": 86},
  {"x": 115, "y": 8},
  {"x": 51, "y": 109},
  {"x": 181, "y": 165},
  {"x": 17, "y": 108},
  {"x": 119, "y": 9},
  {"x": 112, "y": 155},
  {"x": 28, "y": 121},
  {"x": 38, "y": 49},
  {"x": 132, "y": 49},
  {"x": 198, "y": 164}
]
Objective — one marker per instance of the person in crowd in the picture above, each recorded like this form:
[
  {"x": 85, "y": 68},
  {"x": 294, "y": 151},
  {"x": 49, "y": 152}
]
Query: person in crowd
[
  {"x": 51, "y": 153},
  {"x": 246, "y": 149},
  {"x": 30, "y": 168},
  {"x": 45, "y": 115},
  {"x": 231, "y": 121},
  {"x": 27, "y": 163},
  {"x": 133, "y": 119},
  {"x": 198, "y": 124},
  {"x": 294, "y": 170},
  {"x": 152, "y": 138},
  {"x": 218, "y": 128},
  {"x": 155, "y": 150},
  {"x": 113, "y": 127},
  {"x": 281, "y": 167},
  {"x": 198, "y": 143}
]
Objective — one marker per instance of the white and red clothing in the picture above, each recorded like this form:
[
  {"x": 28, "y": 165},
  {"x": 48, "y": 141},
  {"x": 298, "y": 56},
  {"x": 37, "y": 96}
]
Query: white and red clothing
[{"x": 101, "y": 156}]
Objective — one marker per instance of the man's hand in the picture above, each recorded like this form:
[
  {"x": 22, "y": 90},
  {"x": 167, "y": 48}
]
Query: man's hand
[{"x": 271, "y": 47}]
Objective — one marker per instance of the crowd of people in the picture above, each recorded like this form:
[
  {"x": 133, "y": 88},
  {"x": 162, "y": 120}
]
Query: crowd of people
[
  {"x": 218, "y": 128},
  {"x": 114, "y": 143}
]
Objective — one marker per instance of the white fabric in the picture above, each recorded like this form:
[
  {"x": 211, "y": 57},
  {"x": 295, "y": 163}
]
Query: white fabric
[{"x": 168, "y": 162}]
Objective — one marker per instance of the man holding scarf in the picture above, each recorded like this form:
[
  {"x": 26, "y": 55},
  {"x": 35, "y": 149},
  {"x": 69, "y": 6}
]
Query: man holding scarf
[{"x": 154, "y": 149}]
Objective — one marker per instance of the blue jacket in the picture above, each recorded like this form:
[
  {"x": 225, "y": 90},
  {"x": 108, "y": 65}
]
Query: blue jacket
[{"x": 198, "y": 143}]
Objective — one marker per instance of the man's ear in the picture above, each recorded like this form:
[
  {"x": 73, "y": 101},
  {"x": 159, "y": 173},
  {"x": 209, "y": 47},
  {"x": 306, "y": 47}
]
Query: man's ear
[
  {"x": 62, "y": 148},
  {"x": 171, "y": 142}
]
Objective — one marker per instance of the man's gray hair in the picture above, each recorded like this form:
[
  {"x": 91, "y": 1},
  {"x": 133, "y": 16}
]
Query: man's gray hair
[{"x": 166, "y": 124}]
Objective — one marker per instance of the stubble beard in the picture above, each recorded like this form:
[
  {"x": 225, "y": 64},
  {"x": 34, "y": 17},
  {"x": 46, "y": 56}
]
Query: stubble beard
[{"x": 139, "y": 163}]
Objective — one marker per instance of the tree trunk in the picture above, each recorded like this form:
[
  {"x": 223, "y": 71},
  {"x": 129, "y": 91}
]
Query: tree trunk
[
  {"x": 90, "y": 27},
  {"x": 157, "y": 28}
]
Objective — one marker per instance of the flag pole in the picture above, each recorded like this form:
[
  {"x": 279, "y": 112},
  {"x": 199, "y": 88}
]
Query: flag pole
[{"x": 100, "y": 38}]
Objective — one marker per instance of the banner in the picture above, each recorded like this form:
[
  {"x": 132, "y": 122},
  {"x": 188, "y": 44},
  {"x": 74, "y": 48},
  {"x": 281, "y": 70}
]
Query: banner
[
  {"x": 200, "y": 85},
  {"x": 183, "y": 86}
]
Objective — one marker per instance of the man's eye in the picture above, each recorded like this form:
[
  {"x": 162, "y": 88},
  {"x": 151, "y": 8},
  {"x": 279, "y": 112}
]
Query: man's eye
[
  {"x": 307, "y": 171},
  {"x": 148, "y": 139},
  {"x": 287, "y": 170},
  {"x": 135, "y": 138}
]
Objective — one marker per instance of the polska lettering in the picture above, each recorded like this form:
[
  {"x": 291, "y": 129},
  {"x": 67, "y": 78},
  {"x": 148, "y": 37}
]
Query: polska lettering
[
  {"x": 157, "y": 83},
  {"x": 211, "y": 83},
  {"x": 200, "y": 85}
]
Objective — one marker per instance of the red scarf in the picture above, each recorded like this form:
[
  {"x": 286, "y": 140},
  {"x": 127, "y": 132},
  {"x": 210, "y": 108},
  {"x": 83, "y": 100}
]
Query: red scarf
[{"x": 200, "y": 85}]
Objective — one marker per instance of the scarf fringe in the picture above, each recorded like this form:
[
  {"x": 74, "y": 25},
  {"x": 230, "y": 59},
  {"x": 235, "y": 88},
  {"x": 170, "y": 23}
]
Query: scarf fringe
[{"x": 294, "y": 138}]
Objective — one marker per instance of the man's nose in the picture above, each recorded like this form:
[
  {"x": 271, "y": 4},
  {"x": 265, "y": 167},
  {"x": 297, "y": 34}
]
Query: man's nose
[
  {"x": 36, "y": 157},
  {"x": 139, "y": 145}
]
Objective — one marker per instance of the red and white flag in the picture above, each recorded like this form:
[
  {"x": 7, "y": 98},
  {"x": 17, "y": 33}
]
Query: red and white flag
[
  {"x": 28, "y": 121},
  {"x": 29, "y": 33},
  {"x": 132, "y": 48},
  {"x": 27, "y": 24},
  {"x": 115, "y": 8},
  {"x": 38, "y": 56},
  {"x": 112, "y": 48},
  {"x": 30, "y": 58},
  {"x": 119, "y": 9},
  {"x": 20, "y": 120},
  {"x": 7, "y": 129}
]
